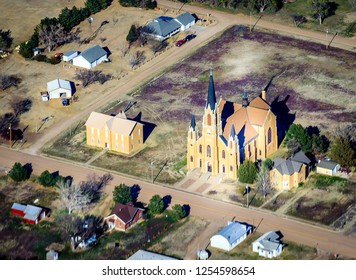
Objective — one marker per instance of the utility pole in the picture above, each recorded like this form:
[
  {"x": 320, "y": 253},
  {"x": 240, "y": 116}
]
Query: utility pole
[
  {"x": 247, "y": 191},
  {"x": 151, "y": 164},
  {"x": 10, "y": 136},
  {"x": 250, "y": 22},
  {"x": 326, "y": 38}
]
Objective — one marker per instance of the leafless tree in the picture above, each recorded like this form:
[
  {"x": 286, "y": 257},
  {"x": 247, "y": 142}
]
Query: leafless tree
[
  {"x": 142, "y": 38},
  {"x": 68, "y": 224},
  {"x": 72, "y": 196},
  {"x": 7, "y": 81},
  {"x": 124, "y": 49},
  {"x": 157, "y": 46},
  {"x": 263, "y": 181},
  {"x": 137, "y": 58},
  {"x": 88, "y": 77},
  {"x": 94, "y": 184},
  {"x": 20, "y": 106},
  {"x": 6, "y": 120},
  {"x": 53, "y": 36},
  {"x": 298, "y": 19}
]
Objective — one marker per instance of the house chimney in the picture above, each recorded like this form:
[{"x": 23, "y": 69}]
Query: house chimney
[{"x": 263, "y": 95}]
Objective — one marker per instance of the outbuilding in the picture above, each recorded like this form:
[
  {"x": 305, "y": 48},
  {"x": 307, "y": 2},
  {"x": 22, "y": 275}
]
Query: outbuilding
[
  {"x": 91, "y": 57},
  {"x": 59, "y": 89},
  {"x": 230, "y": 236},
  {"x": 30, "y": 214},
  {"x": 70, "y": 55},
  {"x": 268, "y": 245},
  {"x": 327, "y": 167}
]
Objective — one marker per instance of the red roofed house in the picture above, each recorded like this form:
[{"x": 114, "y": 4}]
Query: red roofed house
[
  {"x": 123, "y": 216},
  {"x": 30, "y": 214}
]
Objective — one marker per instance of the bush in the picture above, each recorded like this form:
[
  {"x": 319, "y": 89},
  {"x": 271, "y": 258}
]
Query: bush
[
  {"x": 179, "y": 212},
  {"x": 41, "y": 58},
  {"x": 19, "y": 173},
  {"x": 122, "y": 194},
  {"x": 155, "y": 205},
  {"x": 46, "y": 179}
]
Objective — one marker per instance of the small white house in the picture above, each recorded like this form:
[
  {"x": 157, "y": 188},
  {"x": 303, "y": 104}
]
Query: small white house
[
  {"x": 59, "y": 89},
  {"x": 268, "y": 245},
  {"x": 70, "y": 55},
  {"x": 230, "y": 236},
  {"x": 90, "y": 57},
  {"x": 185, "y": 20}
]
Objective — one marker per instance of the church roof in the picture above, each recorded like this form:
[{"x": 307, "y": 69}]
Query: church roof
[
  {"x": 192, "y": 122},
  {"x": 256, "y": 116},
  {"x": 232, "y": 132},
  {"x": 259, "y": 103},
  {"x": 211, "y": 101}
]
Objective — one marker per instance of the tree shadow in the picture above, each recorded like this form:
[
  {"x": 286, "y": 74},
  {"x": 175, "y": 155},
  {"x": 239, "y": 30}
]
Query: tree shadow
[
  {"x": 284, "y": 118},
  {"x": 167, "y": 201},
  {"x": 332, "y": 8},
  {"x": 186, "y": 209},
  {"x": 29, "y": 169},
  {"x": 135, "y": 192}
]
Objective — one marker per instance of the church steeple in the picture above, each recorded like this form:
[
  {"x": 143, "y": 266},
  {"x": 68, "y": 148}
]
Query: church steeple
[
  {"x": 193, "y": 123},
  {"x": 211, "y": 101},
  {"x": 232, "y": 132},
  {"x": 245, "y": 99}
]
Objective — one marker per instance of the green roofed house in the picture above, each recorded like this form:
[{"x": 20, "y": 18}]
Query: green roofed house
[{"x": 91, "y": 57}]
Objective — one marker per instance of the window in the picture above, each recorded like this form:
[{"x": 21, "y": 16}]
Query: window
[
  {"x": 208, "y": 151},
  {"x": 200, "y": 149},
  {"x": 191, "y": 159},
  {"x": 92, "y": 139},
  {"x": 269, "y": 136},
  {"x": 139, "y": 132},
  {"x": 200, "y": 163},
  {"x": 191, "y": 135},
  {"x": 223, "y": 168},
  {"x": 231, "y": 168},
  {"x": 209, "y": 119},
  {"x": 223, "y": 154}
]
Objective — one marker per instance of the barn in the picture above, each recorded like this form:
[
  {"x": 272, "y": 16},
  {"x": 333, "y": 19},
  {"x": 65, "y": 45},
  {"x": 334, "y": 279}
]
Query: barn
[
  {"x": 59, "y": 89},
  {"x": 30, "y": 214},
  {"x": 91, "y": 57}
]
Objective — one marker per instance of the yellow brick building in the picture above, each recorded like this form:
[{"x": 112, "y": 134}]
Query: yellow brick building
[
  {"x": 115, "y": 133},
  {"x": 231, "y": 133}
]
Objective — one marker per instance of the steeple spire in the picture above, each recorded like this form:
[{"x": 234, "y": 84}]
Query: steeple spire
[
  {"x": 211, "y": 101},
  {"x": 245, "y": 99},
  {"x": 232, "y": 132},
  {"x": 192, "y": 122}
]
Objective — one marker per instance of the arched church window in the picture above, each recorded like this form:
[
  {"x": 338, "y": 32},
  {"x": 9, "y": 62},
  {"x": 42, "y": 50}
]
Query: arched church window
[
  {"x": 209, "y": 119},
  {"x": 208, "y": 151},
  {"x": 200, "y": 149},
  {"x": 223, "y": 154},
  {"x": 223, "y": 168},
  {"x": 200, "y": 163},
  {"x": 191, "y": 159},
  {"x": 269, "y": 136}
]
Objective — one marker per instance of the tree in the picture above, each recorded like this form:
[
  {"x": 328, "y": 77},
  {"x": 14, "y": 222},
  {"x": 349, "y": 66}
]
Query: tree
[
  {"x": 157, "y": 46},
  {"x": 293, "y": 147},
  {"x": 263, "y": 181},
  {"x": 5, "y": 39},
  {"x": 130, "y": 3},
  {"x": 353, "y": 4},
  {"x": 298, "y": 19},
  {"x": 88, "y": 77},
  {"x": 26, "y": 48},
  {"x": 20, "y": 106},
  {"x": 54, "y": 35},
  {"x": 94, "y": 184},
  {"x": 95, "y": 6},
  {"x": 133, "y": 34},
  {"x": 150, "y": 4},
  {"x": 268, "y": 163},
  {"x": 69, "y": 18},
  {"x": 320, "y": 143},
  {"x": 68, "y": 224},
  {"x": 18, "y": 172},
  {"x": 342, "y": 152},
  {"x": 46, "y": 179},
  {"x": 300, "y": 134},
  {"x": 7, "y": 81},
  {"x": 320, "y": 9},
  {"x": 247, "y": 172},
  {"x": 136, "y": 58},
  {"x": 6, "y": 120},
  {"x": 124, "y": 49},
  {"x": 72, "y": 196},
  {"x": 179, "y": 212},
  {"x": 122, "y": 194},
  {"x": 155, "y": 205}
]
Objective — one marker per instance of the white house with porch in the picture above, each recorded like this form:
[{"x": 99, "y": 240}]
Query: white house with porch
[{"x": 268, "y": 245}]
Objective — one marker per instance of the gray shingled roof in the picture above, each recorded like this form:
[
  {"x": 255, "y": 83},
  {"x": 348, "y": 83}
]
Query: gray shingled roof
[
  {"x": 286, "y": 166},
  {"x": 328, "y": 164},
  {"x": 301, "y": 157},
  {"x": 162, "y": 26},
  {"x": 185, "y": 18},
  {"x": 145, "y": 255},
  {"x": 270, "y": 241},
  {"x": 70, "y": 53},
  {"x": 93, "y": 53}
]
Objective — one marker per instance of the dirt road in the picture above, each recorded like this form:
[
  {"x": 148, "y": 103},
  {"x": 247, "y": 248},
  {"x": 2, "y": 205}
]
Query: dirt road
[{"x": 203, "y": 207}]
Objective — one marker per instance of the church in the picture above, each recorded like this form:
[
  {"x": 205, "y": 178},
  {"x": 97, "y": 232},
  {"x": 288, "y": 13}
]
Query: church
[{"x": 231, "y": 133}]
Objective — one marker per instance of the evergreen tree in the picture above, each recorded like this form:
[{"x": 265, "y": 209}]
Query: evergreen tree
[
  {"x": 122, "y": 194},
  {"x": 179, "y": 212},
  {"x": 247, "y": 172},
  {"x": 133, "y": 34},
  {"x": 342, "y": 152},
  {"x": 300, "y": 134},
  {"x": 46, "y": 179},
  {"x": 155, "y": 205},
  {"x": 18, "y": 172}
]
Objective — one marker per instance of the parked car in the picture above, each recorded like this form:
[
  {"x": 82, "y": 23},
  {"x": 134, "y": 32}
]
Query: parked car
[
  {"x": 180, "y": 42},
  {"x": 190, "y": 37}
]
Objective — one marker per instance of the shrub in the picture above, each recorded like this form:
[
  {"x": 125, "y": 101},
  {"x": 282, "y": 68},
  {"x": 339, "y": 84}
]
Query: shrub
[
  {"x": 179, "y": 212},
  {"x": 155, "y": 205},
  {"x": 122, "y": 194},
  {"x": 46, "y": 179}
]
